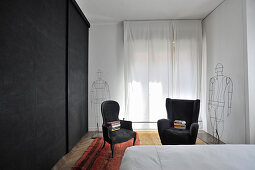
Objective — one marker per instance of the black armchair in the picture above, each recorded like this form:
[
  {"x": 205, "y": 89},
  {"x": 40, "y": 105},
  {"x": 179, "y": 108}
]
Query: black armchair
[
  {"x": 110, "y": 112},
  {"x": 187, "y": 110}
]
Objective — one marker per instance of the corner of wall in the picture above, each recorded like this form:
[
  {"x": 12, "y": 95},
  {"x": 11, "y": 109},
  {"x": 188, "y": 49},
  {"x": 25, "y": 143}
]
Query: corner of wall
[{"x": 246, "y": 84}]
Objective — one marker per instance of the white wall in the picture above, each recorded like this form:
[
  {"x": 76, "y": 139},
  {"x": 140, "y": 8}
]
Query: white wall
[
  {"x": 107, "y": 54},
  {"x": 225, "y": 35},
  {"x": 250, "y": 13},
  {"x": 225, "y": 39}
]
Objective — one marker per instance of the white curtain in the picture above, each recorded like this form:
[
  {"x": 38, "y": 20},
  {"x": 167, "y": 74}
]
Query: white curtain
[
  {"x": 162, "y": 60},
  {"x": 187, "y": 58}
]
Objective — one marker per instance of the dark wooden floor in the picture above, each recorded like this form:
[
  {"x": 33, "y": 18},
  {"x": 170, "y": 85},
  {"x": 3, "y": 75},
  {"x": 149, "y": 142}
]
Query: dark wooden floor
[{"x": 207, "y": 138}]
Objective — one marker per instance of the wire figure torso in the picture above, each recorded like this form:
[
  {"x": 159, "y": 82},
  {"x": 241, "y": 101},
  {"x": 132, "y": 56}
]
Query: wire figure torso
[
  {"x": 220, "y": 98},
  {"x": 100, "y": 92}
]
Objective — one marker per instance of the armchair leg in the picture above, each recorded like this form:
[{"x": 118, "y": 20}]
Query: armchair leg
[
  {"x": 134, "y": 140},
  {"x": 103, "y": 145},
  {"x": 112, "y": 147}
]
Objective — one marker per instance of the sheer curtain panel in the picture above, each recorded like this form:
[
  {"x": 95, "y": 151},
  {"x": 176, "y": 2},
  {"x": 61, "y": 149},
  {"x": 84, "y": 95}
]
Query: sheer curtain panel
[
  {"x": 162, "y": 59},
  {"x": 187, "y": 59}
]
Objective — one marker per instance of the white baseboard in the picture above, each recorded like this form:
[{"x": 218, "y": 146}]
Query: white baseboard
[{"x": 95, "y": 128}]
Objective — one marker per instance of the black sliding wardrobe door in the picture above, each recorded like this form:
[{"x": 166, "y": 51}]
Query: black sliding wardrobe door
[
  {"x": 78, "y": 29},
  {"x": 32, "y": 83},
  {"x": 43, "y": 81}
]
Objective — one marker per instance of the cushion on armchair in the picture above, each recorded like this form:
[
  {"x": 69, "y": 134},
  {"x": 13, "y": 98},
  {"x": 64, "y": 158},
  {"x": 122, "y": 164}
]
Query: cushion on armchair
[
  {"x": 177, "y": 136},
  {"x": 122, "y": 135}
]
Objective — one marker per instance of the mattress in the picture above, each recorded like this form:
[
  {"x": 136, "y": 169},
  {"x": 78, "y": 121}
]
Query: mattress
[{"x": 192, "y": 157}]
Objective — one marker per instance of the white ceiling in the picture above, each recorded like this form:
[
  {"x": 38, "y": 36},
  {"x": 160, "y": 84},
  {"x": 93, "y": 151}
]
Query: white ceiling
[{"x": 103, "y": 11}]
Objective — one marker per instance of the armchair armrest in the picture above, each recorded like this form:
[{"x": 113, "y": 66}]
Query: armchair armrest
[
  {"x": 164, "y": 124},
  {"x": 106, "y": 131},
  {"x": 126, "y": 124},
  {"x": 193, "y": 132}
]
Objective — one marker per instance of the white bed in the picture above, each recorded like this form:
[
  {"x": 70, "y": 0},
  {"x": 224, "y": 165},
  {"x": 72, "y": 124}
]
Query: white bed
[{"x": 189, "y": 157}]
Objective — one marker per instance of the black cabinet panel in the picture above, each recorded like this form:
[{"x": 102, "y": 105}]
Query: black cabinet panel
[
  {"x": 77, "y": 75},
  {"x": 37, "y": 84},
  {"x": 32, "y": 83}
]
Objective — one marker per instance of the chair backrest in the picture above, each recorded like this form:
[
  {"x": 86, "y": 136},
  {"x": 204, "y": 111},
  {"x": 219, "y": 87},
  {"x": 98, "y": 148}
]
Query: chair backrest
[
  {"x": 187, "y": 110},
  {"x": 110, "y": 111}
]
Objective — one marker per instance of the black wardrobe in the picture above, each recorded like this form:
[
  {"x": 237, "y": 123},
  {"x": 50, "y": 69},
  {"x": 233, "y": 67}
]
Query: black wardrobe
[
  {"x": 78, "y": 28},
  {"x": 43, "y": 81}
]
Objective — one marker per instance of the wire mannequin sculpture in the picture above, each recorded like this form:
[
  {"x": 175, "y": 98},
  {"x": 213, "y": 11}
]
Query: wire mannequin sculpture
[
  {"x": 99, "y": 93},
  {"x": 220, "y": 101}
]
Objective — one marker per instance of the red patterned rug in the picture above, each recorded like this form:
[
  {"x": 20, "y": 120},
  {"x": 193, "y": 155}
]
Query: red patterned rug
[{"x": 96, "y": 158}]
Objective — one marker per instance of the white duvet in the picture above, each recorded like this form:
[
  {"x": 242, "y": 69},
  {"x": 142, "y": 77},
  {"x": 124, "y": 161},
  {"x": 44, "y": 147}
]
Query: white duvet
[{"x": 189, "y": 157}]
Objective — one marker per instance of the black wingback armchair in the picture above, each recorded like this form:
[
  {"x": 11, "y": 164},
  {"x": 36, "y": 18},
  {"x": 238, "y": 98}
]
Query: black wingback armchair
[
  {"x": 110, "y": 112},
  {"x": 187, "y": 110}
]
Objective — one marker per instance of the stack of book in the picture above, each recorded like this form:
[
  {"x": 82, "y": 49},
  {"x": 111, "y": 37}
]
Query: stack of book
[
  {"x": 180, "y": 124},
  {"x": 115, "y": 125}
]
